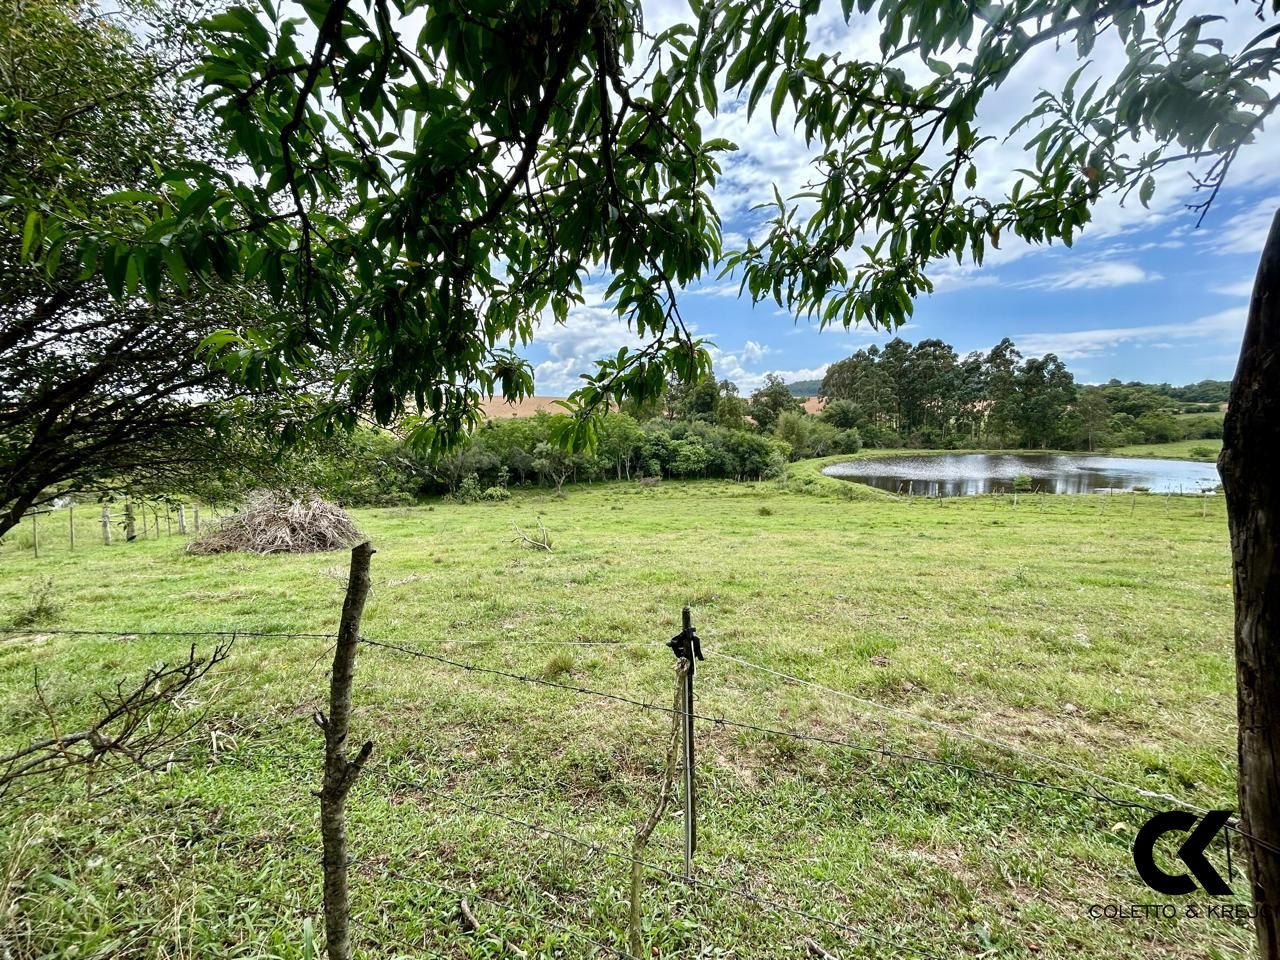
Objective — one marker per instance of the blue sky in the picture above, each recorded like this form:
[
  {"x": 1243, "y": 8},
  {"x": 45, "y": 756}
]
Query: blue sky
[{"x": 1143, "y": 295}]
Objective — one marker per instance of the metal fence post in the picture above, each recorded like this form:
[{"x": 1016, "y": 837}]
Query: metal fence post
[{"x": 687, "y": 646}]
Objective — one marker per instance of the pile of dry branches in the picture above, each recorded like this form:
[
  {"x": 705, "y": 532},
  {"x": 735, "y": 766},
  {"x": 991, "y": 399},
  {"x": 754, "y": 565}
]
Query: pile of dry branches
[{"x": 281, "y": 523}]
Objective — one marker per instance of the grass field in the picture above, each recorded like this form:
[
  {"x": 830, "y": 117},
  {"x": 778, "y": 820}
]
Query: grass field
[
  {"x": 1178, "y": 450},
  {"x": 1095, "y": 631}
]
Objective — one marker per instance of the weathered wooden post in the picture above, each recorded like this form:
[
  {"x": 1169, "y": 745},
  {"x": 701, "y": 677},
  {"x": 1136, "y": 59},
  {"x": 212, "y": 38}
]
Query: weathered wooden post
[
  {"x": 1251, "y": 484},
  {"x": 182, "y": 520},
  {"x": 106, "y": 525},
  {"x": 195, "y": 509},
  {"x": 168, "y": 520},
  {"x": 340, "y": 773},
  {"x": 130, "y": 530}
]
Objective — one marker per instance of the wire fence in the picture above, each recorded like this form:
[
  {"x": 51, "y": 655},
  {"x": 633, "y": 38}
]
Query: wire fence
[
  {"x": 70, "y": 527},
  {"x": 1081, "y": 783}
]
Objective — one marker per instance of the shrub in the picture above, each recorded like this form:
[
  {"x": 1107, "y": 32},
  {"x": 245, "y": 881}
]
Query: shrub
[
  {"x": 496, "y": 494},
  {"x": 1203, "y": 453},
  {"x": 468, "y": 490}
]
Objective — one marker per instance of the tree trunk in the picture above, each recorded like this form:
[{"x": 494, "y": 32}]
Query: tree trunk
[
  {"x": 1250, "y": 470},
  {"x": 13, "y": 511},
  {"x": 339, "y": 772}
]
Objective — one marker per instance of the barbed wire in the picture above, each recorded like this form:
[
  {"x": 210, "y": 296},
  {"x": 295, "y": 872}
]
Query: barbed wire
[
  {"x": 240, "y": 634},
  {"x": 910, "y": 717},
  {"x": 267, "y": 634},
  {"x": 601, "y": 850},
  {"x": 1092, "y": 794}
]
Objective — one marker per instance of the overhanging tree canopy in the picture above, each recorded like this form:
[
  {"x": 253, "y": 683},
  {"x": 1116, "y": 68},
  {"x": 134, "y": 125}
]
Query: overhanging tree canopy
[{"x": 420, "y": 182}]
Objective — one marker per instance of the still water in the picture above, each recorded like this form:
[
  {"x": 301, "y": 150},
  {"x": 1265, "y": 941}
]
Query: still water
[{"x": 963, "y": 474}]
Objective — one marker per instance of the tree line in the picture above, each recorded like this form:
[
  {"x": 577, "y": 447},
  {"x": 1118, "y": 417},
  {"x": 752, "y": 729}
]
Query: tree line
[
  {"x": 925, "y": 395},
  {"x": 921, "y": 395}
]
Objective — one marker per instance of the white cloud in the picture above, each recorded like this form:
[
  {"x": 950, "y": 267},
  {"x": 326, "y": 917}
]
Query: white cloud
[
  {"x": 766, "y": 157},
  {"x": 752, "y": 352},
  {"x": 591, "y": 331},
  {"x": 1241, "y": 288},
  {"x": 728, "y": 288},
  {"x": 1076, "y": 344},
  {"x": 1093, "y": 274},
  {"x": 1247, "y": 231}
]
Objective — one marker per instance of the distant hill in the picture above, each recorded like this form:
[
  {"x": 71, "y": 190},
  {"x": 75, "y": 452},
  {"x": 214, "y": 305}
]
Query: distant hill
[{"x": 805, "y": 388}]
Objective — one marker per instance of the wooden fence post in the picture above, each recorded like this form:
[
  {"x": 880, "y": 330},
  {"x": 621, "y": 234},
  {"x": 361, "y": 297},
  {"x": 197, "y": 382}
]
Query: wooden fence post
[
  {"x": 182, "y": 520},
  {"x": 106, "y": 525},
  {"x": 130, "y": 530},
  {"x": 339, "y": 771},
  {"x": 195, "y": 509}
]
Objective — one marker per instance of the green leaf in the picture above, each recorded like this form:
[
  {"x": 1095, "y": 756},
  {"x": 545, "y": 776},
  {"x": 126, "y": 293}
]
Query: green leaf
[
  {"x": 29, "y": 234},
  {"x": 177, "y": 268},
  {"x": 779, "y": 97},
  {"x": 1147, "y": 191}
]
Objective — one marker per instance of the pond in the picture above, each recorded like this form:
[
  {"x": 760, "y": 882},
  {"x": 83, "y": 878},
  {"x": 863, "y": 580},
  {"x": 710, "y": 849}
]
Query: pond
[{"x": 964, "y": 474}]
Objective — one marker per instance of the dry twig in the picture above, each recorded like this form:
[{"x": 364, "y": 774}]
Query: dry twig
[
  {"x": 541, "y": 541},
  {"x": 135, "y": 725}
]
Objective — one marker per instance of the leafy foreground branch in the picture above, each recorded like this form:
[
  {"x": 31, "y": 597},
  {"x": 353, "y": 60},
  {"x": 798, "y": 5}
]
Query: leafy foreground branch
[{"x": 136, "y": 725}]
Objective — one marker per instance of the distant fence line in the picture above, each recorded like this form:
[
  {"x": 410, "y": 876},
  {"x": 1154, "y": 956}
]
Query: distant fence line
[
  {"x": 143, "y": 519},
  {"x": 113, "y": 523}
]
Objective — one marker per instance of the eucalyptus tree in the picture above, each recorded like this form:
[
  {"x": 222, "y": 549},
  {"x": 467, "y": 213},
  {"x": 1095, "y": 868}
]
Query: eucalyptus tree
[
  {"x": 418, "y": 182},
  {"x": 770, "y": 400}
]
